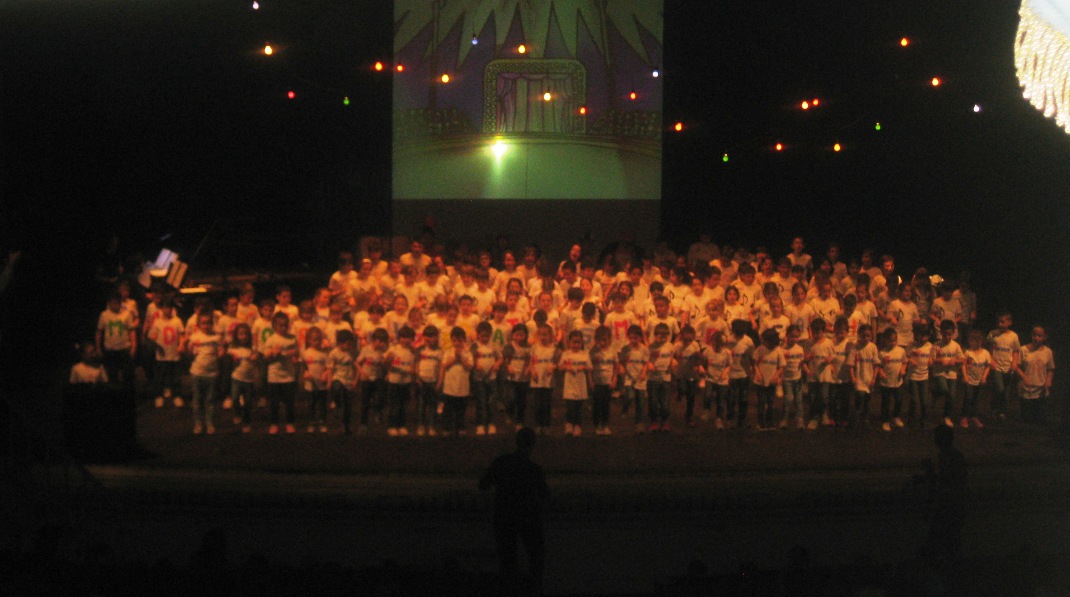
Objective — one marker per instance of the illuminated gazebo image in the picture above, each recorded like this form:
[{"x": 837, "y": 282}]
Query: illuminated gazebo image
[
  {"x": 511, "y": 99},
  {"x": 1042, "y": 57}
]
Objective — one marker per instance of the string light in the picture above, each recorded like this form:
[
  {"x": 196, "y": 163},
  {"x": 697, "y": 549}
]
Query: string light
[
  {"x": 345, "y": 101},
  {"x": 632, "y": 95},
  {"x": 877, "y": 126},
  {"x": 836, "y": 147},
  {"x": 904, "y": 42},
  {"x": 936, "y": 81},
  {"x": 291, "y": 94},
  {"x": 547, "y": 97},
  {"x": 976, "y": 108},
  {"x": 805, "y": 105},
  {"x": 268, "y": 50},
  {"x": 679, "y": 126},
  {"x": 401, "y": 68},
  {"x": 780, "y": 147},
  {"x": 583, "y": 110},
  {"x": 522, "y": 49},
  {"x": 378, "y": 66},
  {"x": 656, "y": 73},
  {"x": 445, "y": 78},
  {"x": 256, "y": 6},
  {"x": 724, "y": 158},
  {"x": 475, "y": 40},
  {"x": 815, "y": 102}
]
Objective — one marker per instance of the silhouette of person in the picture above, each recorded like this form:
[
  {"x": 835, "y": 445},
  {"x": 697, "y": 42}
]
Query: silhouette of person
[
  {"x": 520, "y": 492},
  {"x": 948, "y": 494}
]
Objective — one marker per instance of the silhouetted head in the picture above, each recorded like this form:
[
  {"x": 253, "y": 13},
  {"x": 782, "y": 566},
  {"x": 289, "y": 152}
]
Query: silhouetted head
[
  {"x": 943, "y": 436},
  {"x": 525, "y": 440}
]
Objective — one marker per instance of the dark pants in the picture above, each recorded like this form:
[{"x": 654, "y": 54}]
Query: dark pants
[
  {"x": 737, "y": 400},
  {"x": 342, "y": 395},
  {"x": 520, "y": 400},
  {"x": 282, "y": 393},
  {"x": 120, "y": 367},
  {"x": 399, "y": 403},
  {"x": 891, "y": 403},
  {"x": 509, "y": 532},
  {"x": 166, "y": 376},
  {"x": 453, "y": 413},
  {"x": 600, "y": 411},
  {"x": 766, "y": 400},
  {"x": 687, "y": 389},
  {"x": 317, "y": 407},
  {"x": 542, "y": 397},
  {"x": 371, "y": 393}
]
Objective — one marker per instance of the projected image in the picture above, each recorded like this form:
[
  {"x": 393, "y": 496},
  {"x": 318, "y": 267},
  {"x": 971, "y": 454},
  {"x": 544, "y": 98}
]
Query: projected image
[{"x": 512, "y": 99}]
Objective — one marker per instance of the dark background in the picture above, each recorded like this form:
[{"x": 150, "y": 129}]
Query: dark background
[{"x": 153, "y": 118}]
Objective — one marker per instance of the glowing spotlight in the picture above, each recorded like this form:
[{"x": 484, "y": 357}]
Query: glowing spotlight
[
  {"x": 401, "y": 68},
  {"x": 779, "y": 147},
  {"x": 583, "y": 110},
  {"x": 445, "y": 78},
  {"x": 632, "y": 95},
  {"x": 656, "y": 73},
  {"x": 805, "y": 105},
  {"x": 291, "y": 94},
  {"x": 936, "y": 81},
  {"x": 378, "y": 66},
  {"x": 256, "y": 6},
  {"x": 815, "y": 102},
  {"x": 268, "y": 50},
  {"x": 724, "y": 158},
  {"x": 547, "y": 97},
  {"x": 475, "y": 40},
  {"x": 837, "y": 147},
  {"x": 877, "y": 127},
  {"x": 976, "y": 108},
  {"x": 522, "y": 49},
  {"x": 904, "y": 42},
  {"x": 345, "y": 101},
  {"x": 499, "y": 148},
  {"x": 679, "y": 126}
]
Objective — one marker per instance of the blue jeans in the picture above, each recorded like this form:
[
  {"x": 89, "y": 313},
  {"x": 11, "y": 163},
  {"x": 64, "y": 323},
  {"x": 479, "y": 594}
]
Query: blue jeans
[
  {"x": 632, "y": 395},
  {"x": 793, "y": 398},
  {"x": 1002, "y": 387},
  {"x": 659, "y": 400},
  {"x": 484, "y": 395},
  {"x": 242, "y": 393},
  {"x": 737, "y": 400},
  {"x": 819, "y": 395},
  {"x": 203, "y": 398},
  {"x": 766, "y": 400},
  {"x": 919, "y": 400},
  {"x": 945, "y": 388},
  {"x": 427, "y": 408}
]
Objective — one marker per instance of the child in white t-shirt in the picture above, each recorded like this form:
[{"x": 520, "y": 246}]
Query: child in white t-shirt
[
  {"x": 316, "y": 379},
  {"x": 88, "y": 371},
  {"x": 1036, "y": 368},
  {"x": 454, "y": 381},
  {"x": 947, "y": 364},
  {"x": 575, "y": 365},
  {"x": 1005, "y": 348},
  {"x": 890, "y": 375},
  {"x": 977, "y": 363},
  {"x": 791, "y": 380},
  {"x": 742, "y": 349},
  {"x": 205, "y": 347},
  {"x": 767, "y": 369},
  {"x": 166, "y": 336},
  {"x": 863, "y": 368},
  {"x": 281, "y": 353},
  {"x": 244, "y": 372}
]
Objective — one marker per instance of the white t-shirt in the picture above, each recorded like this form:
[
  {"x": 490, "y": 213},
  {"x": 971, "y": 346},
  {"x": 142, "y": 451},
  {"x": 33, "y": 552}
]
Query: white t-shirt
[
  {"x": 892, "y": 364},
  {"x": 282, "y": 368},
  {"x": 947, "y": 360},
  {"x": 83, "y": 373},
  {"x": 1004, "y": 346},
  {"x": 343, "y": 367},
  {"x": 905, "y": 314},
  {"x": 245, "y": 370},
  {"x": 766, "y": 364},
  {"x": 205, "y": 351},
  {"x": 167, "y": 335},
  {"x": 576, "y": 366},
  {"x": 456, "y": 380},
  {"x": 866, "y": 360},
  {"x": 634, "y": 360},
  {"x": 977, "y": 362},
  {"x": 400, "y": 364},
  {"x": 116, "y": 328},
  {"x": 1036, "y": 363}
]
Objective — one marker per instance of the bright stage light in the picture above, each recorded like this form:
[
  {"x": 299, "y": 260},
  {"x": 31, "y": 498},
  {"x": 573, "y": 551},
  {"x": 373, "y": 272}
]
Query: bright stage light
[
  {"x": 632, "y": 95},
  {"x": 805, "y": 105},
  {"x": 268, "y": 50},
  {"x": 976, "y": 108},
  {"x": 499, "y": 148},
  {"x": 936, "y": 81},
  {"x": 445, "y": 78},
  {"x": 837, "y": 147},
  {"x": 904, "y": 42},
  {"x": 522, "y": 49},
  {"x": 1042, "y": 57},
  {"x": 401, "y": 68},
  {"x": 378, "y": 66},
  {"x": 547, "y": 97},
  {"x": 679, "y": 126},
  {"x": 291, "y": 94}
]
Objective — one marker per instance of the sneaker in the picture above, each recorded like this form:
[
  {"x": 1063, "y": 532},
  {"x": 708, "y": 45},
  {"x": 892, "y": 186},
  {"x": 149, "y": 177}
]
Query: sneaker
[
  {"x": 607, "y": 431},
  {"x": 886, "y": 426},
  {"x": 228, "y": 403},
  {"x": 568, "y": 428},
  {"x": 421, "y": 431},
  {"x": 261, "y": 402},
  {"x": 898, "y": 422},
  {"x": 333, "y": 405},
  {"x": 311, "y": 428},
  {"x": 783, "y": 423},
  {"x": 392, "y": 431},
  {"x": 236, "y": 420},
  {"x": 273, "y": 430},
  {"x": 481, "y": 430},
  {"x": 159, "y": 402},
  {"x": 665, "y": 427},
  {"x": 290, "y": 429},
  {"x": 826, "y": 421},
  {"x": 640, "y": 428},
  {"x": 167, "y": 393},
  {"x": 964, "y": 423},
  {"x": 949, "y": 422},
  {"x": 403, "y": 431},
  {"x": 178, "y": 402},
  {"x": 812, "y": 425},
  {"x": 576, "y": 430},
  {"x": 653, "y": 427},
  {"x": 692, "y": 424},
  {"x": 718, "y": 424},
  {"x": 210, "y": 429},
  {"x": 800, "y": 424},
  {"x": 198, "y": 428},
  {"x": 976, "y": 423},
  {"x": 491, "y": 429},
  {"x": 323, "y": 429},
  {"x": 246, "y": 428},
  {"x": 519, "y": 427},
  {"x": 432, "y": 432}
]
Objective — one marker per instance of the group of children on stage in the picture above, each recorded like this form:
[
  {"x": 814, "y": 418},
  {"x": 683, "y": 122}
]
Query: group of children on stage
[{"x": 836, "y": 345}]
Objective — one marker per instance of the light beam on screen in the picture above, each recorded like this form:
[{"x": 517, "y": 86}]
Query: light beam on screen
[
  {"x": 578, "y": 111},
  {"x": 1042, "y": 57}
]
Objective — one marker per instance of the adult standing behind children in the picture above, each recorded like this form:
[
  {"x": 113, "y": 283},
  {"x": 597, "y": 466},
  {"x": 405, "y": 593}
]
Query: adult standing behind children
[{"x": 520, "y": 492}]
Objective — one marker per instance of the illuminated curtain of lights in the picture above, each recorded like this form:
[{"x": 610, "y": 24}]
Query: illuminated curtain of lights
[{"x": 1042, "y": 57}]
